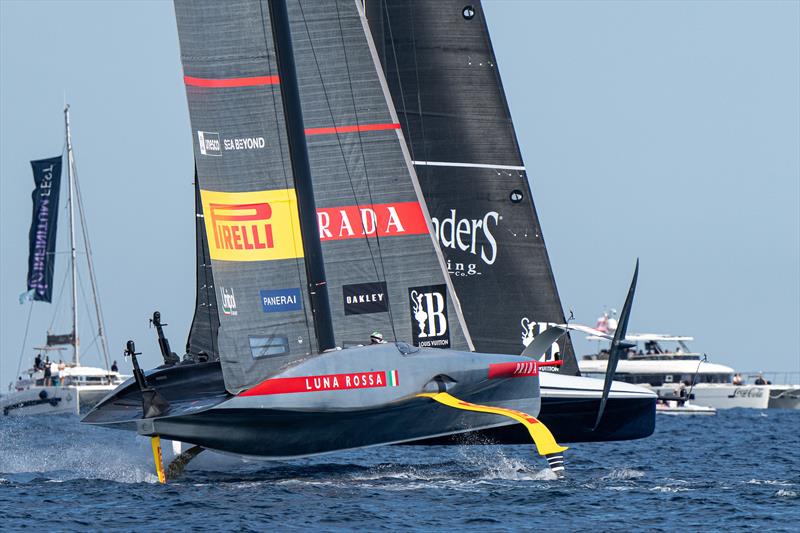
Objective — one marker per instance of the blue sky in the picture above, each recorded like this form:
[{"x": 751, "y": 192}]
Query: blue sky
[{"x": 667, "y": 131}]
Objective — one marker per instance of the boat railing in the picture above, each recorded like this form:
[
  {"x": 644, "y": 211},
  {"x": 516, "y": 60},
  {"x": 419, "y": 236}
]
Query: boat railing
[
  {"x": 666, "y": 356},
  {"x": 775, "y": 378},
  {"x": 661, "y": 356}
]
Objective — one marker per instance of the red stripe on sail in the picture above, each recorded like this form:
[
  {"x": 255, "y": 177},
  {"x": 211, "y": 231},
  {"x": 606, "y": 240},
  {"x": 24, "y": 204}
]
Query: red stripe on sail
[
  {"x": 351, "y": 129},
  {"x": 230, "y": 82}
]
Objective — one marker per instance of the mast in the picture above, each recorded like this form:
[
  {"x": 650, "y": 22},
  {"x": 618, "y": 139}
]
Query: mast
[
  {"x": 76, "y": 355},
  {"x": 298, "y": 153},
  {"x": 93, "y": 281}
]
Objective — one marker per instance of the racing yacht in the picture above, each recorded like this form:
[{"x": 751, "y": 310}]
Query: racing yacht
[{"x": 311, "y": 227}]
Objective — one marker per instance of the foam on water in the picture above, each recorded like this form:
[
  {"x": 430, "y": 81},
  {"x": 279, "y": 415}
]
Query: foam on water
[
  {"x": 661, "y": 482},
  {"x": 770, "y": 482},
  {"x": 624, "y": 474},
  {"x": 57, "y": 448}
]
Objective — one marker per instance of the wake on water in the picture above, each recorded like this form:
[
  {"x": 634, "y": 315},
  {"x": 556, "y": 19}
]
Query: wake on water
[{"x": 691, "y": 473}]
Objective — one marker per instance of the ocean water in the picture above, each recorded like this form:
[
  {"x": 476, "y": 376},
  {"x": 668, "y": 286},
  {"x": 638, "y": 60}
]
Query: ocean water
[{"x": 739, "y": 470}]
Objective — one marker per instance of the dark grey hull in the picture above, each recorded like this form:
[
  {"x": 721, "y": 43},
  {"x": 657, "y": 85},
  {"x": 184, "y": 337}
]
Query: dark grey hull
[
  {"x": 284, "y": 423},
  {"x": 569, "y": 409},
  {"x": 282, "y": 434},
  {"x": 572, "y": 420}
]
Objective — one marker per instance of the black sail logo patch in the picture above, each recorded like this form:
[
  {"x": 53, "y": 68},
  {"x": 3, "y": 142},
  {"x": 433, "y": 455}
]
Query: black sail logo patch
[
  {"x": 365, "y": 298},
  {"x": 428, "y": 306}
]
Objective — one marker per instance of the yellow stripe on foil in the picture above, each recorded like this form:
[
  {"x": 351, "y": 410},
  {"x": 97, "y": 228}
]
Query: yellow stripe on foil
[
  {"x": 155, "y": 442},
  {"x": 545, "y": 442}
]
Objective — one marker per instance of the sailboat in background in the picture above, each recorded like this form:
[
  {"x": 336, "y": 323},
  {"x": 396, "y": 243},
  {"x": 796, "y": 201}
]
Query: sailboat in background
[
  {"x": 57, "y": 387},
  {"x": 445, "y": 83},
  {"x": 311, "y": 227}
]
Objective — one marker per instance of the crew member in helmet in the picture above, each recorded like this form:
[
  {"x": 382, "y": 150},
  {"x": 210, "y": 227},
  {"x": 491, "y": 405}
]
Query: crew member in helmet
[{"x": 376, "y": 338}]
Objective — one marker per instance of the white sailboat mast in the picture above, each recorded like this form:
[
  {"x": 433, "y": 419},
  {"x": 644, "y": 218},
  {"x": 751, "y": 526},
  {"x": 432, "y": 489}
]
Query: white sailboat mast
[
  {"x": 88, "y": 248},
  {"x": 76, "y": 357}
]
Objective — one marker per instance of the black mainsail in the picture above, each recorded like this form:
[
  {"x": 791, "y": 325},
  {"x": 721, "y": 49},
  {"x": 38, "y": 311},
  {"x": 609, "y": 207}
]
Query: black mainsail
[
  {"x": 446, "y": 85},
  {"x": 202, "y": 341},
  {"x": 447, "y": 90}
]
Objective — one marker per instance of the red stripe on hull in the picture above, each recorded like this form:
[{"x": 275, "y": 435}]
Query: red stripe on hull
[
  {"x": 514, "y": 370},
  {"x": 354, "y": 380}
]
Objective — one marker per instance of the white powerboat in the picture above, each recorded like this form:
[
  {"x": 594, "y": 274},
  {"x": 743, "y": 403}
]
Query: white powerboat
[
  {"x": 678, "y": 408},
  {"x": 666, "y": 370}
]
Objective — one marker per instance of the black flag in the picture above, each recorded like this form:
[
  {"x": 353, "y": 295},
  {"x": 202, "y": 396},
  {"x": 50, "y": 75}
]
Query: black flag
[{"x": 47, "y": 178}]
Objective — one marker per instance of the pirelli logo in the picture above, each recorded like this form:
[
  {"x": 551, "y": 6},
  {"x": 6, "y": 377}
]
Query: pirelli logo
[{"x": 252, "y": 226}]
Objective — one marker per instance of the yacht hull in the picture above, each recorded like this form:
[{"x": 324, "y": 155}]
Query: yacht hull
[
  {"x": 569, "y": 406},
  {"x": 726, "y": 396},
  {"x": 273, "y": 434},
  {"x": 729, "y": 396},
  {"x": 75, "y": 400},
  {"x": 341, "y": 400},
  {"x": 784, "y": 396}
]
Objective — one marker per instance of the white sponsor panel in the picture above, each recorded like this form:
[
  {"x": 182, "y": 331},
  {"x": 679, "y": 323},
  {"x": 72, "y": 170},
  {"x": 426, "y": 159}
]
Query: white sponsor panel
[
  {"x": 471, "y": 235},
  {"x": 212, "y": 145},
  {"x": 530, "y": 329}
]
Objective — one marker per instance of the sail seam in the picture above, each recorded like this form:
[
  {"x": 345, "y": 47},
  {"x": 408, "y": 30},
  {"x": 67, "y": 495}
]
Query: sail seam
[{"x": 467, "y": 165}]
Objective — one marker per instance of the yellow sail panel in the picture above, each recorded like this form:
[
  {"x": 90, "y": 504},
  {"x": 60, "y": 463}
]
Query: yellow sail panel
[{"x": 252, "y": 226}]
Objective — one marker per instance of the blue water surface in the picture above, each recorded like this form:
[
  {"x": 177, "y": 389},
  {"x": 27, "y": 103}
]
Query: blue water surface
[{"x": 739, "y": 470}]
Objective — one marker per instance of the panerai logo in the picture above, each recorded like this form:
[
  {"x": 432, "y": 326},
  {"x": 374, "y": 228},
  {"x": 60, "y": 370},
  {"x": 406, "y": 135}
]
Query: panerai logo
[
  {"x": 429, "y": 326},
  {"x": 281, "y": 300},
  {"x": 470, "y": 235},
  {"x": 210, "y": 143},
  {"x": 529, "y": 331},
  {"x": 228, "y": 302}
]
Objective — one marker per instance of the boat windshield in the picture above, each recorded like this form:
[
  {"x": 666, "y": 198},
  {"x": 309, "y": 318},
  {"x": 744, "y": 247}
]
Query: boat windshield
[
  {"x": 653, "y": 350},
  {"x": 657, "y": 380}
]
